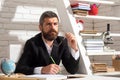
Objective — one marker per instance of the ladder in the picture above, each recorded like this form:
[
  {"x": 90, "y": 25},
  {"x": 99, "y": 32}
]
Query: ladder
[{"x": 69, "y": 24}]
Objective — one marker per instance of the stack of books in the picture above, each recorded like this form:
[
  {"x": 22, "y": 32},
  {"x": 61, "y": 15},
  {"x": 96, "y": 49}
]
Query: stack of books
[
  {"x": 80, "y": 8},
  {"x": 94, "y": 45},
  {"x": 99, "y": 67}
]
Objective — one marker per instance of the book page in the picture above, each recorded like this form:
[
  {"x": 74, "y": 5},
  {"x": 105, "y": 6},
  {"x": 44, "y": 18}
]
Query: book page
[{"x": 48, "y": 76}]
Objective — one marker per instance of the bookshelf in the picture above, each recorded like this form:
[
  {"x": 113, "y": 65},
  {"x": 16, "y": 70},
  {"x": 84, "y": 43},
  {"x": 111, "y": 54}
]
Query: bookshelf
[
  {"x": 98, "y": 17},
  {"x": 99, "y": 34},
  {"x": 110, "y": 52},
  {"x": 95, "y": 1},
  {"x": 68, "y": 21}
]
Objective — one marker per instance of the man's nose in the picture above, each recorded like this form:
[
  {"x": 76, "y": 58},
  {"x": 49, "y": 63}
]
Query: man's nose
[{"x": 52, "y": 25}]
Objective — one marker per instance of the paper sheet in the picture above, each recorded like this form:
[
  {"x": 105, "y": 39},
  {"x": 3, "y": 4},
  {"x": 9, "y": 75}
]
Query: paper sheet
[{"x": 48, "y": 76}]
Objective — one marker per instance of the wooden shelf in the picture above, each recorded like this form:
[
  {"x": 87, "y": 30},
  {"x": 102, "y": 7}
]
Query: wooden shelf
[
  {"x": 99, "y": 34},
  {"x": 104, "y": 53},
  {"x": 95, "y": 1},
  {"x": 110, "y": 74},
  {"x": 97, "y": 17}
]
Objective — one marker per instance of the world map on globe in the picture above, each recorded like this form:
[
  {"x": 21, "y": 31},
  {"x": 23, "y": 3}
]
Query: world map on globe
[{"x": 7, "y": 66}]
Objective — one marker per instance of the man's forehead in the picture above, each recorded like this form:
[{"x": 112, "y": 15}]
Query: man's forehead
[{"x": 51, "y": 19}]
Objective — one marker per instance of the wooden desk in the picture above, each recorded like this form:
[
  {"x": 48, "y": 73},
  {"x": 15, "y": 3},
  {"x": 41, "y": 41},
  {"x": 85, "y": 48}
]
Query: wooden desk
[
  {"x": 14, "y": 77},
  {"x": 11, "y": 78},
  {"x": 94, "y": 77},
  {"x": 74, "y": 77},
  {"x": 34, "y": 77}
]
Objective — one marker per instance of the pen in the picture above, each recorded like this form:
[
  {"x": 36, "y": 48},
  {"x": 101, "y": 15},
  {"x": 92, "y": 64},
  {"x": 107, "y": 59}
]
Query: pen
[{"x": 52, "y": 60}]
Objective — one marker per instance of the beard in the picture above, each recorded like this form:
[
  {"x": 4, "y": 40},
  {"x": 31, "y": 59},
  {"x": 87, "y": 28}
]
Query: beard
[{"x": 50, "y": 35}]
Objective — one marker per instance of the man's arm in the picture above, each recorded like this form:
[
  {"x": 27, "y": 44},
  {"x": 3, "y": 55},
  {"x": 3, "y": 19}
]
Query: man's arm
[
  {"x": 23, "y": 65},
  {"x": 68, "y": 59}
]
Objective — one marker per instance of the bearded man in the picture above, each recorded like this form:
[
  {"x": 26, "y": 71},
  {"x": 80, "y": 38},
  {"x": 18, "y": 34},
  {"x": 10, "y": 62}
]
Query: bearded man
[{"x": 43, "y": 53}]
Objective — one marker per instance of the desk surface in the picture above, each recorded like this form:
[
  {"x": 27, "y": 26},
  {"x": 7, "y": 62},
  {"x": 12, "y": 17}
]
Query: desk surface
[
  {"x": 96, "y": 78},
  {"x": 77, "y": 77}
]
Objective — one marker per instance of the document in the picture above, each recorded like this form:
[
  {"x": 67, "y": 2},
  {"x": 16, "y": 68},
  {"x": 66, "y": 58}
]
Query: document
[{"x": 48, "y": 76}]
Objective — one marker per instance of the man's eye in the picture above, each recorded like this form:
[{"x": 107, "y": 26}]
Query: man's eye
[
  {"x": 49, "y": 24},
  {"x": 55, "y": 23}
]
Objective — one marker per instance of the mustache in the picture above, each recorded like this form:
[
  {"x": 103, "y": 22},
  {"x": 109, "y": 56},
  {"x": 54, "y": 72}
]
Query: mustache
[{"x": 52, "y": 30}]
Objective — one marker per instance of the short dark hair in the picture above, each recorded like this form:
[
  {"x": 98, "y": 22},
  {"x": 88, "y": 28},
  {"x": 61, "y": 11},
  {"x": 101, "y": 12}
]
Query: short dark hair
[{"x": 47, "y": 14}]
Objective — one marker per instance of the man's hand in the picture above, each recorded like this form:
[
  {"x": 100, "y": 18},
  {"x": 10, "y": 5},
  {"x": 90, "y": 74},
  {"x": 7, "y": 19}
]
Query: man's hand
[
  {"x": 72, "y": 41},
  {"x": 50, "y": 69}
]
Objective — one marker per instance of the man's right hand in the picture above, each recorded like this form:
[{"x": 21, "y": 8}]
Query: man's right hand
[{"x": 51, "y": 69}]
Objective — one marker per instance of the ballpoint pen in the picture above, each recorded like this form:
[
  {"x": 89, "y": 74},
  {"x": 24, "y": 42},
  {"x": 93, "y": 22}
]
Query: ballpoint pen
[{"x": 52, "y": 60}]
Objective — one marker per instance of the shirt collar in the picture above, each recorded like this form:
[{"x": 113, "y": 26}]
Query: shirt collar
[{"x": 49, "y": 48}]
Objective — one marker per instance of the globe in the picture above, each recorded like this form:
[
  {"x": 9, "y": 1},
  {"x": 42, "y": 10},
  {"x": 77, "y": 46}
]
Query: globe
[{"x": 7, "y": 66}]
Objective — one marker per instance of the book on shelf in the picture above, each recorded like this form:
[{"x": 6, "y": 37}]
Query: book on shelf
[
  {"x": 99, "y": 67},
  {"x": 79, "y": 4},
  {"x": 93, "y": 41},
  {"x": 80, "y": 12},
  {"x": 88, "y": 32},
  {"x": 94, "y": 48},
  {"x": 80, "y": 8},
  {"x": 94, "y": 51},
  {"x": 94, "y": 45}
]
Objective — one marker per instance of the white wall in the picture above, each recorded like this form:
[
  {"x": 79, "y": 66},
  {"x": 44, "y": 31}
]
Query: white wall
[{"x": 19, "y": 21}]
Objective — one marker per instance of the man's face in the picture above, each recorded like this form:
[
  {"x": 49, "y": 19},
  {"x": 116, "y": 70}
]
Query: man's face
[{"x": 50, "y": 28}]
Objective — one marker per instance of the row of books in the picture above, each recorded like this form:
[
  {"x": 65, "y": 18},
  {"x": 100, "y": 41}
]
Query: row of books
[
  {"x": 80, "y": 8},
  {"x": 94, "y": 45}
]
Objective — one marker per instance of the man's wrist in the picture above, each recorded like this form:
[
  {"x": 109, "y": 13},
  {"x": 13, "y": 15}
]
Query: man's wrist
[{"x": 75, "y": 49}]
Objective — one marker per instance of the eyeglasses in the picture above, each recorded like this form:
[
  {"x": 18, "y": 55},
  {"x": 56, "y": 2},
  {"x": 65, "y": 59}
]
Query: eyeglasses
[{"x": 63, "y": 34}]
